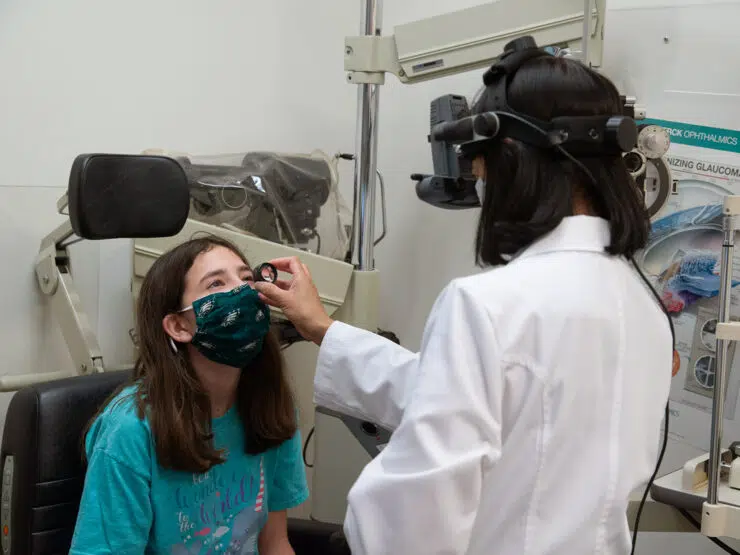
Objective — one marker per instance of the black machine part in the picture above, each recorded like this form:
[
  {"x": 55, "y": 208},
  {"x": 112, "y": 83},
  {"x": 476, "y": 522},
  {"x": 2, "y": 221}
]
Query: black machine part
[
  {"x": 126, "y": 196},
  {"x": 452, "y": 186},
  {"x": 293, "y": 187},
  {"x": 451, "y": 193},
  {"x": 456, "y": 137},
  {"x": 265, "y": 272},
  {"x": 447, "y": 110}
]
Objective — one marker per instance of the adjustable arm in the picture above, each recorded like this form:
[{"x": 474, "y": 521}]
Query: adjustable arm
[
  {"x": 54, "y": 278},
  {"x": 472, "y": 38}
]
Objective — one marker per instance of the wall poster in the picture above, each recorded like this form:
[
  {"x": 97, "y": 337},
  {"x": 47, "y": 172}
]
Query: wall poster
[{"x": 682, "y": 260}]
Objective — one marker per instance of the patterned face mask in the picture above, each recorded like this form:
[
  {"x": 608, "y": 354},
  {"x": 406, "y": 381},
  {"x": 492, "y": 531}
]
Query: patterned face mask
[{"x": 231, "y": 326}]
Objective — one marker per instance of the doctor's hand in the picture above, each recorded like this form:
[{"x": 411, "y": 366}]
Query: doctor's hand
[{"x": 297, "y": 298}]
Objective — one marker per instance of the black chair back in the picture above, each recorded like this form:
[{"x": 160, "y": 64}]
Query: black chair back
[{"x": 42, "y": 461}]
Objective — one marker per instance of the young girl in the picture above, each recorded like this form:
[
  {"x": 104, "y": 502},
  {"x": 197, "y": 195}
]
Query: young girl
[{"x": 200, "y": 454}]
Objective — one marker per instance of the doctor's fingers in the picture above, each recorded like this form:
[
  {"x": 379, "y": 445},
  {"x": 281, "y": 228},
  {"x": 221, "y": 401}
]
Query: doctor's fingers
[
  {"x": 306, "y": 271},
  {"x": 283, "y": 284},
  {"x": 289, "y": 264},
  {"x": 271, "y": 294}
]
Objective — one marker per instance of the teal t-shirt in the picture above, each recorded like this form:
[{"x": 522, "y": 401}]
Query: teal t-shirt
[{"x": 132, "y": 506}]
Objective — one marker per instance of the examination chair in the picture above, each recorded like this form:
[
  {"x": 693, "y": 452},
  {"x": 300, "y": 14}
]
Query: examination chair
[{"x": 44, "y": 472}]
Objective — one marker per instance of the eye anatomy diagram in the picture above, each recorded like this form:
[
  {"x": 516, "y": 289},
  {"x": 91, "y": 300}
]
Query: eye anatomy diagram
[
  {"x": 708, "y": 334},
  {"x": 704, "y": 369},
  {"x": 682, "y": 259}
]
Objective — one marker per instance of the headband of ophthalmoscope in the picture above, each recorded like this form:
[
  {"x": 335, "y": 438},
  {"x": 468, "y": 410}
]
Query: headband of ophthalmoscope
[{"x": 577, "y": 135}]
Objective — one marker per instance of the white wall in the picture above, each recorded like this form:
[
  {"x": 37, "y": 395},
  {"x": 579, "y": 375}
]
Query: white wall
[{"x": 227, "y": 75}]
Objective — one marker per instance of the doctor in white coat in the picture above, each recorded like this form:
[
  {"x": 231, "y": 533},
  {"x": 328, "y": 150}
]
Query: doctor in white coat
[{"x": 534, "y": 406}]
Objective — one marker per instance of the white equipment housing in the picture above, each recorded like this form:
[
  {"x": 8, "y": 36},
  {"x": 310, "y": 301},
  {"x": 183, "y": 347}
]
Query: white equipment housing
[{"x": 471, "y": 38}]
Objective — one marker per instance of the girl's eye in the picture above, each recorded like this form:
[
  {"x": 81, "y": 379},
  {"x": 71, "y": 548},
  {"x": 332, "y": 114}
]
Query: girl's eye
[
  {"x": 248, "y": 278},
  {"x": 216, "y": 283}
]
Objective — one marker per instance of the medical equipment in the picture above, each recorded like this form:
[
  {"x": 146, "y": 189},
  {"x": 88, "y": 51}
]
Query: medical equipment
[
  {"x": 289, "y": 199},
  {"x": 468, "y": 136},
  {"x": 453, "y": 185},
  {"x": 259, "y": 200},
  {"x": 649, "y": 167},
  {"x": 265, "y": 272},
  {"x": 108, "y": 196},
  {"x": 453, "y": 129},
  {"x": 154, "y": 197}
]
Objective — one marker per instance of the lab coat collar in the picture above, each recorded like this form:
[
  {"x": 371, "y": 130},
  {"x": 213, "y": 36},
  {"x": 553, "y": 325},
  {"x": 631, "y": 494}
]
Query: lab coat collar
[{"x": 575, "y": 233}]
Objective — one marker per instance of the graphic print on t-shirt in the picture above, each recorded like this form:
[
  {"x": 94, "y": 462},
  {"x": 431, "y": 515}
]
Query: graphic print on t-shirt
[{"x": 221, "y": 517}]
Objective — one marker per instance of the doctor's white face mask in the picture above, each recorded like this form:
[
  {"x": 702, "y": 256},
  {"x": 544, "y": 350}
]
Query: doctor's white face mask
[{"x": 480, "y": 189}]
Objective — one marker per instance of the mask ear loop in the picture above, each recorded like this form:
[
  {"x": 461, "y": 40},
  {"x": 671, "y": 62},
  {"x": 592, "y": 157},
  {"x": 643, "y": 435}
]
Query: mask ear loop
[{"x": 173, "y": 345}]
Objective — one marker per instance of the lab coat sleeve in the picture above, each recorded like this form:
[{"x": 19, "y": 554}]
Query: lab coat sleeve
[
  {"x": 421, "y": 494},
  {"x": 364, "y": 375}
]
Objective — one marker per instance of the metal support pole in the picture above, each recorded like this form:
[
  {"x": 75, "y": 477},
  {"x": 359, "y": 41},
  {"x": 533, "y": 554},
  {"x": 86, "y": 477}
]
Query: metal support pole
[
  {"x": 366, "y": 151},
  {"x": 586, "y": 40},
  {"x": 720, "y": 371}
]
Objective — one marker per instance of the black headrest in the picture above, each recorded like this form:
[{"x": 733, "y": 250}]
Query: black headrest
[{"x": 118, "y": 196}]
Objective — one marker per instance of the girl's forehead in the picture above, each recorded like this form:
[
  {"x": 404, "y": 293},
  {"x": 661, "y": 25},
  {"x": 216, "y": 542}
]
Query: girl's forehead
[{"x": 216, "y": 258}]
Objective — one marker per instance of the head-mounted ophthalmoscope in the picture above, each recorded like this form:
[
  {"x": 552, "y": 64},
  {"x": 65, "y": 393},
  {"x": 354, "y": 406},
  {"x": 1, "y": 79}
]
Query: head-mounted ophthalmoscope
[{"x": 457, "y": 137}]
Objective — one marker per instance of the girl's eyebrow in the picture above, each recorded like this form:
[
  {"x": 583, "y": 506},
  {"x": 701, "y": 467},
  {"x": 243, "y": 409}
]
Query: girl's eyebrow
[
  {"x": 221, "y": 272},
  {"x": 211, "y": 274}
]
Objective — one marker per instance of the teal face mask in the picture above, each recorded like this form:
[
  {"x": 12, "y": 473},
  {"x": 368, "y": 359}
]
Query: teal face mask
[{"x": 231, "y": 326}]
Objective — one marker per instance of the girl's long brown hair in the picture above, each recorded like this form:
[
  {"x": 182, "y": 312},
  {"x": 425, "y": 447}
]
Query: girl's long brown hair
[{"x": 168, "y": 392}]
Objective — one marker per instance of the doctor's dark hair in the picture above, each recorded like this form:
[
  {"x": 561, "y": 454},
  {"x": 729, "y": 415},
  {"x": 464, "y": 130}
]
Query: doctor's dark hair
[
  {"x": 529, "y": 190},
  {"x": 168, "y": 391}
]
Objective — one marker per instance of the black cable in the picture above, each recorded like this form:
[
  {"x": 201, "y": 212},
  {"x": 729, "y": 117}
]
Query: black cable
[
  {"x": 305, "y": 447},
  {"x": 636, "y": 526},
  {"x": 715, "y": 541},
  {"x": 564, "y": 153},
  {"x": 663, "y": 447}
]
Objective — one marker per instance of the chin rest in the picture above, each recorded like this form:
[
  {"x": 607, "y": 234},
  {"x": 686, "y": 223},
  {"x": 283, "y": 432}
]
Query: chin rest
[{"x": 44, "y": 472}]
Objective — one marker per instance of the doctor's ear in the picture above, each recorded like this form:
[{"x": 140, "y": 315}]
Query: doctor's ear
[
  {"x": 178, "y": 328},
  {"x": 479, "y": 167}
]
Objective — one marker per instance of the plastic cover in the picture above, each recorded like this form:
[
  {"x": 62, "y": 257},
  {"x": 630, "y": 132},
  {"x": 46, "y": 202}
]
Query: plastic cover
[{"x": 292, "y": 199}]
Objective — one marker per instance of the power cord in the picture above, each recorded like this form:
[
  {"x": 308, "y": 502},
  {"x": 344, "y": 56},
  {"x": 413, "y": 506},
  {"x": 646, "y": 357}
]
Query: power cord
[
  {"x": 383, "y": 333},
  {"x": 305, "y": 447},
  {"x": 636, "y": 527},
  {"x": 715, "y": 541},
  {"x": 664, "y": 445}
]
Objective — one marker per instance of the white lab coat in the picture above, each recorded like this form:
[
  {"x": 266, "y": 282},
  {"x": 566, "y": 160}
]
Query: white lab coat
[{"x": 531, "y": 412}]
